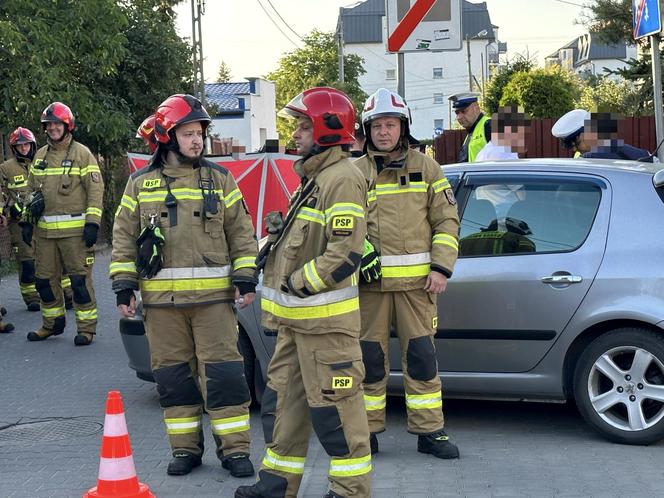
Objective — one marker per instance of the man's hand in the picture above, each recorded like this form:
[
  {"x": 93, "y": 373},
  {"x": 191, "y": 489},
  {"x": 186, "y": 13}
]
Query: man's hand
[
  {"x": 244, "y": 300},
  {"x": 436, "y": 283},
  {"x": 126, "y": 302}
]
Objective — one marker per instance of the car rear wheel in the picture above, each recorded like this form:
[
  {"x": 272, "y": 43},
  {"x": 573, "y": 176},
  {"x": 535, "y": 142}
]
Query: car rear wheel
[
  {"x": 252, "y": 367},
  {"x": 619, "y": 385}
]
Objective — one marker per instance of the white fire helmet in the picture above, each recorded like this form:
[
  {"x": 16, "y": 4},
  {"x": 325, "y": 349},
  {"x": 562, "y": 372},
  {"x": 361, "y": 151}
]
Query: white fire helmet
[{"x": 384, "y": 103}]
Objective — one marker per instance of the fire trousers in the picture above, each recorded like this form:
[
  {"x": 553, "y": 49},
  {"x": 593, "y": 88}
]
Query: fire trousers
[
  {"x": 25, "y": 257},
  {"x": 413, "y": 314},
  {"x": 195, "y": 361},
  {"x": 315, "y": 379},
  {"x": 53, "y": 258}
]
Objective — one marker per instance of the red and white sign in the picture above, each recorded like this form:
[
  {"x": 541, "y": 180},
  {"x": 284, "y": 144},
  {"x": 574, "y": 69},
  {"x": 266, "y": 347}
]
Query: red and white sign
[
  {"x": 423, "y": 25},
  {"x": 266, "y": 181}
]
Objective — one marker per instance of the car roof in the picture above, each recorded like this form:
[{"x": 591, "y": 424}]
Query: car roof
[{"x": 580, "y": 165}]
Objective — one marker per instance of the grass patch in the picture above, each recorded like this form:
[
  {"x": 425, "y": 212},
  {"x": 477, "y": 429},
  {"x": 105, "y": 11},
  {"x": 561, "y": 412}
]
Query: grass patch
[{"x": 8, "y": 267}]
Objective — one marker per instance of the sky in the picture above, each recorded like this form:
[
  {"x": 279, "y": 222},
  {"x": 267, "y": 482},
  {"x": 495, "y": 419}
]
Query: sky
[{"x": 241, "y": 34}]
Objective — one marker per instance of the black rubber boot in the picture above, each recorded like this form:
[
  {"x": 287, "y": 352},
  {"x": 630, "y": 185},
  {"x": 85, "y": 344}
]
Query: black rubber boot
[
  {"x": 438, "y": 445},
  {"x": 247, "y": 492},
  {"x": 6, "y": 327},
  {"x": 3, "y": 310},
  {"x": 83, "y": 339},
  {"x": 373, "y": 443},
  {"x": 239, "y": 465},
  {"x": 33, "y": 307},
  {"x": 182, "y": 463},
  {"x": 332, "y": 494}
]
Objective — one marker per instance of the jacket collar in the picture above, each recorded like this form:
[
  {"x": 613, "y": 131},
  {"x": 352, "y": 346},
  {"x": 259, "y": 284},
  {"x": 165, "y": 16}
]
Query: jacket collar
[
  {"x": 384, "y": 160},
  {"x": 62, "y": 144},
  {"x": 174, "y": 168},
  {"x": 314, "y": 165}
]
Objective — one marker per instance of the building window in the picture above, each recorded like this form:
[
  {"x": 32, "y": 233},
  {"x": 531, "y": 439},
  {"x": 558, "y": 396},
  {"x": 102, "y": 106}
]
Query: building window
[
  {"x": 438, "y": 123},
  {"x": 390, "y": 74},
  {"x": 438, "y": 98},
  {"x": 437, "y": 73}
]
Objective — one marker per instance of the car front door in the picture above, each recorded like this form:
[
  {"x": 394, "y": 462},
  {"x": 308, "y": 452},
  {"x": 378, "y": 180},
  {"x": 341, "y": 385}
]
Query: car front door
[{"x": 530, "y": 247}]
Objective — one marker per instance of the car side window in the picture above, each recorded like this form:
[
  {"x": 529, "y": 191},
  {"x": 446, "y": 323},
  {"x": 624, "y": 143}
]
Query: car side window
[{"x": 527, "y": 217}]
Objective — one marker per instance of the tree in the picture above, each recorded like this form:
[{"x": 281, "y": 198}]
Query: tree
[
  {"x": 500, "y": 78},
  {"x": 543, "y": 93},
  {"x": 224, "y": 75},
  {"x": 606, "y": 95},
  {"x": 611, "y": 20},
  {"x": 315, "y": 64}
]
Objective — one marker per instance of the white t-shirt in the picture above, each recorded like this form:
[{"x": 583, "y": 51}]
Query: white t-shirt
[{"x": 492, "y": 152}]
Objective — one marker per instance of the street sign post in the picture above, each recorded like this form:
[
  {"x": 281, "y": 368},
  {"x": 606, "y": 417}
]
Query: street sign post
[{"x": 647, "y": 21}]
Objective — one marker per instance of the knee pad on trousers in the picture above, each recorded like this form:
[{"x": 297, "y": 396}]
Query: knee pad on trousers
[
  {"x": 270, "y": 485},
  {"x": 421, "y": 358},
  {"x": 330, "y": 432},
  {"x": 59, "y": 324},
  {"x": 374, "y": 361},
  {"x": 268, "y": 411},
  {"x": 80, "y": 291},
  {"x": 27, "y": 272},
  {"x": 176, "y": 386},
  {"x": 43, "y": 286},
  {"x": 226, "y": 384}
]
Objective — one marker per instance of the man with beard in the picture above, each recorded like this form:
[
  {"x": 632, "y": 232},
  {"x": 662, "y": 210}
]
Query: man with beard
[{"x": 182, "y": 235}]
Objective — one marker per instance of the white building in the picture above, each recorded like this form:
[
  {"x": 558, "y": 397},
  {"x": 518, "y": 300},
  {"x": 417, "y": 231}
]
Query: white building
[
  {"x": 586, "y": 55},
  {"x": 430, "y": 77},
  {"x": 244, "y": 111}
]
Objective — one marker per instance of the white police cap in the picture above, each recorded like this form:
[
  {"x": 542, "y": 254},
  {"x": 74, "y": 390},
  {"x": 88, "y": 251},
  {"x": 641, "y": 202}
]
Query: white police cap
[
  {"x": 570, "y": 124},
  {"x": 463, "y": 100}
]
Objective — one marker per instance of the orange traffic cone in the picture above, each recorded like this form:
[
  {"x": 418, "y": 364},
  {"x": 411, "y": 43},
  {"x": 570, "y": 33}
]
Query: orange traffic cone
[{"x": 117, "y": 474}]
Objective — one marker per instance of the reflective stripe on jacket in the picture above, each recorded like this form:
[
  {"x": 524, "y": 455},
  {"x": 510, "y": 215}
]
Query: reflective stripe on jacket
[
  {"x": 204, "y": 252},
  {"x": 412, "y": 219},
  {"x": 320, "y": 251},
  {"x": 70, "y": 179}
]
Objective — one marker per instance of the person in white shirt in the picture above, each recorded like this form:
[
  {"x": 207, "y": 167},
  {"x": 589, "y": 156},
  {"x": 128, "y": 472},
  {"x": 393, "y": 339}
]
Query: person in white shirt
[{"x": 508, "y": 135}]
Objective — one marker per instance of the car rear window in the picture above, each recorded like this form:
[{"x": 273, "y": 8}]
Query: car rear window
[{"x": 527, "y": 217}]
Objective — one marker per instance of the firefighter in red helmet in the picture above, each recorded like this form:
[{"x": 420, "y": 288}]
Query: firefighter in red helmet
[
  {"x": 183, "y": 237},
  {"x": 14, "y": 180},
  {"x": 65, "y": 212},
  {"x": 146, "y": 132},
  {"x": 310, "y": 296}
]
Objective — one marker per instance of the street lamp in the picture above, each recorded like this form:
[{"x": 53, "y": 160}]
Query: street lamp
[{"x": 481, "y": 34}]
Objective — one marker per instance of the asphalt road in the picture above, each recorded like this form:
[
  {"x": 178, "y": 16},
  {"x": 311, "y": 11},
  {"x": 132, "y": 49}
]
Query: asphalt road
[{"x": 56, "y": 393}]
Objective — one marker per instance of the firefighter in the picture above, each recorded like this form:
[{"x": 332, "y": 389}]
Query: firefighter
[
  {"x": 5, "y": 327},
  {"x": 412, "y": 245},
  {"x": 310, "y": 297},
  {"x": 65, "y": 205},
  {"x": 146, "y": 132},
  {"x": 478, "y": 126},
  {"x": 183, "y": 236},
  {"x": 14, "y": 179}
]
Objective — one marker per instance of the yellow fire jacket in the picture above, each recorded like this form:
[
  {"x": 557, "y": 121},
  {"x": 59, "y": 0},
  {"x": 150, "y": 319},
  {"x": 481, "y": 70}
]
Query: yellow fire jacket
[
  {"x": 310, "y": 280},
  {"x": 204, "y": 251},
  {"x": 412, "y": 219},
  {"x": 14, "y": 180},
  {"x": 69, "y": 177}
]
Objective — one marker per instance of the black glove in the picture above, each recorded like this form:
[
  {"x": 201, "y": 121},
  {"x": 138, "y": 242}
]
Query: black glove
[
  {"x": 245, "y": 287},
  {"x": 26, "y": 232},
  {"x": 36, "y": 207},
  {"x": 150, "y": 253},
  {"x": 90, "y": 232},
  {"x": 124, "y": 297},
  {"x": 16, "y": 210},
  {"x": 370, "y": 270}
]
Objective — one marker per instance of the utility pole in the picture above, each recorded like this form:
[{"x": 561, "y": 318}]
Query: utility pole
[
  {"x": 340, "y": 35},
  {"x": 470, "y": 71},
  {"x": 197, "y": 11},
  {"x": 657, "y": 91}
]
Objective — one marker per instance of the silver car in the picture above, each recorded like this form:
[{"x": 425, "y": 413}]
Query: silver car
[{"x": 558, "y": 294}]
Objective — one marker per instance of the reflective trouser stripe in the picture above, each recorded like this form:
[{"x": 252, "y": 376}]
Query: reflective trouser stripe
[
  {"x": 230, "y": 425},
  {"x": 185, "y": 425},
  {"x": 350, "y": 467},
  {"x": 372, "y": 403},
  {"x": 289, "y": 464},
  {"x": 65, "y": 283},
  {"x": 424, "y": 401},
  {"x": 86, "y": 314},
  {"x": 53, "y": 312},
  {"x": 28, "y": 288}
]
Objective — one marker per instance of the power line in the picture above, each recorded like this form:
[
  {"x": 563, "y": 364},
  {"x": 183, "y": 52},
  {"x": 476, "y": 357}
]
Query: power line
[
  {"x": 283, "y": 20},
  {"x": 570, "y": 3},
  {"x": 276, "y": 25}
]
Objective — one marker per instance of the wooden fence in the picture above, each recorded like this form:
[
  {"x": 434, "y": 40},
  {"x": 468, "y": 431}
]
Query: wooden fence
[{"x": 636, "y": 131}]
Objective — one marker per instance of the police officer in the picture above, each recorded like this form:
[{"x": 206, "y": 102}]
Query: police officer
[
  {"x": 478, "y": 126},
  {"x": 412, "y": 245},
  {"x": 14, "y": 180},
  {"x": 66, "y": 205},
  {"x": 601, "y": 134},
  {"x": 569, "y": 129},
  {"x": 310, "y": 297},
  {"x": 182, "y": 235}
]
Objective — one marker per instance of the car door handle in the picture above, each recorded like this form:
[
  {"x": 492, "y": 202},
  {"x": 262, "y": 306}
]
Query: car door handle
[{"x": 562, "y": 279}]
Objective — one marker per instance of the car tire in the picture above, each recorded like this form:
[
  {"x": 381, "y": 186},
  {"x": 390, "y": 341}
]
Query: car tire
[
  {"x": 252, "y": 368},
  {"x": 619, "y": 385}
]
